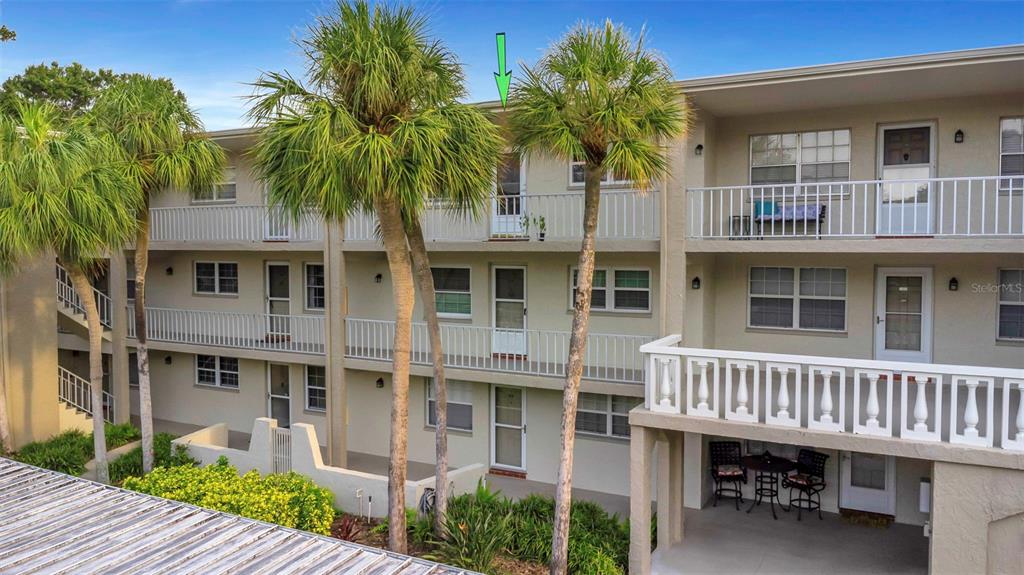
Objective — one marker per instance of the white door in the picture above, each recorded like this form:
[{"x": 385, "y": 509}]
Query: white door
[
  {"x": 906, "y": 161},
  {"x": 509, "y": 311},
  {"x": 507, "y": 207},
  {"x": 508, "y": 428},
  {"x": 278, "y": 299},
  {"x": 868, "y": 482},
  {"x": 276, "y": 223},
  {"x": 903, "y": 314},
  {"x": 279, "y": 391}
]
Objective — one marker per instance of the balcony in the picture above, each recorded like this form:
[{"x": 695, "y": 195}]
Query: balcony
[
  {"x": 252, "y": 331},
  {"x": 625, "y": 215},
  {"x": 609, "y": 358},
  {"x": 965, "y": 406},
  {"x": 231, "y": 224},
  {"x": 977, "y": 207}
]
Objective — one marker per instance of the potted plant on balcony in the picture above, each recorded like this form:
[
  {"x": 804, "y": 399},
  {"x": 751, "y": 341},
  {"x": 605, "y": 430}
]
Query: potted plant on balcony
[
  {"x": 542, "y": 227},
  {"x": 524, "y": 222}
]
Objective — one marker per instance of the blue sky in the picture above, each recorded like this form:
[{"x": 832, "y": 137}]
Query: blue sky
[{"x": 212, "y": 48}]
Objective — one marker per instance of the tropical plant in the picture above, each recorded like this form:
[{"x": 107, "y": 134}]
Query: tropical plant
[
  {"x": 72, "y": 88},
  {"x": 69, "y": 451},
  {"x": 600, "y": 96},
  {"x": 63, "y": 191},
  {"x": 374, "y": 126},
  {"x": 474, "y": 537},
  {"x": 165, "y": 454},
  {"x": 166, "y": 149}
]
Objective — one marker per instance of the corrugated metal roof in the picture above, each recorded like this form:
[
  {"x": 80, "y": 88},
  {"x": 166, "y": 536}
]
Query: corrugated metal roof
[{"x": 54, "y": 523}]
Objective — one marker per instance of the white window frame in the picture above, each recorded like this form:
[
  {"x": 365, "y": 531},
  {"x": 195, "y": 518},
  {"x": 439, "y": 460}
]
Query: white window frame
[
  {"x": 607, "y": 180},
  {"x": 428, "y": 396},
  {"x": 222, "y": 181},
  {"x": 1000, "y": 303},
  {"x": 306, "y": 286},
  {"x": 610, "y": 289},
  {"x": 796, "y": 297},
  {"x": 609, "y": 414},
  {"x": 306, "y": 386},
  {"x": 216, "y": 278},
  {"x": 218, "y": 371},
  {"x": 469, "y": 292},
  {"x": 799, "y": 158},
  {"x": 1004, "y": 187}
]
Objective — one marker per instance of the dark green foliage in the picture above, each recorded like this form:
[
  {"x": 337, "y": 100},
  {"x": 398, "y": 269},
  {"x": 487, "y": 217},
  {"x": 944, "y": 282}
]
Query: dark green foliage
[
  {"x": 475, "y": 533},
  {"x": 7, "y": 35},
  {"x": 71, "y": 88},
  {"x": 165, "y": 455},
  {"x": 121, "y": 434},
  {"x": 68, "y": 452}
]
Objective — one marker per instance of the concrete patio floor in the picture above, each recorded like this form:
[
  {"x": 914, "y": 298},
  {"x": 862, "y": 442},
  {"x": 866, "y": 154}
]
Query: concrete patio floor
[{"x": 724, "y": 540}]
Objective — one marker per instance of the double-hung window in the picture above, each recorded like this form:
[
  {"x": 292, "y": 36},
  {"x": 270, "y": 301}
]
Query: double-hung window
[
  {"x": 316, "y": 388},
  {"x": 577, "y": 176},
  {"x": 315, "y": 286},
  {"x": 216, "y": 277},
  {"x": 1011, "y": 304},
  {"x": 460, "y": 404},
  {"x": 606, "y": 415},
  {"x": 804, "y": 157},
  {"x": 452, "y": 292},
  {"x": 217, "y": 371},
  {"x": 223, "y": 191},
  {"x": 618, "y": 289},
  {"x": 797, "y": 298},
  {"x": 1011, "y": 154}
]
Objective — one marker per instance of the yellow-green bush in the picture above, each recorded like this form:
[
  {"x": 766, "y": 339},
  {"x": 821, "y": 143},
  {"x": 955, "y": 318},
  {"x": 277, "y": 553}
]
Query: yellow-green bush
[{"x": 289, "y": 499}]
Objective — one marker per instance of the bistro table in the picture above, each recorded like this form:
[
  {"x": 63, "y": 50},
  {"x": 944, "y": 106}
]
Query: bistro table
[{"x": 768, "y": 468}]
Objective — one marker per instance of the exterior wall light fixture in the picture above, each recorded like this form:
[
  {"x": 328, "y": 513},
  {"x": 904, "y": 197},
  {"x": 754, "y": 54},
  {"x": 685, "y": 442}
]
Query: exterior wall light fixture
[
  {"x": 699, "y": 150},
  {"x": 958, "y": 137},
  {"x": 954, "y": 284},
  {"x": 695, "y": 284},
  {"x": 378, "y": 278}
]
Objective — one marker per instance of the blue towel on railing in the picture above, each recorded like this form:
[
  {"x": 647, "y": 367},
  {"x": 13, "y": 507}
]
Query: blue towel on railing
[{"x": 792, "y": 213}]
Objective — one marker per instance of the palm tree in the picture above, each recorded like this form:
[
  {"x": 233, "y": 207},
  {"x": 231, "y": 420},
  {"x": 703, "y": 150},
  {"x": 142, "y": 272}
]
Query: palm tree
[
  {"x": 63, "y": 191},
  {"x": 164, "y": 143},
  {"x": 600, "y": 96},
  {"x": 376, "y": 126}
]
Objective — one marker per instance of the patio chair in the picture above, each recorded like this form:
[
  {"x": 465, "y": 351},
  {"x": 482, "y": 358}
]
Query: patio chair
[
  {"x": 727, "y": 470},
  {"x": 808, "y": 481}
]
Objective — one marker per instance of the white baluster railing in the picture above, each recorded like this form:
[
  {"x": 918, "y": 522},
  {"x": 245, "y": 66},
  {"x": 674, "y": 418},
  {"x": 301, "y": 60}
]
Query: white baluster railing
[
  {"x": 609, "y": 357},
  {"x": 932, "y": 207},
  {"x": 69, "y": 299},
  {"x": 936, "y": 402},
  {"x": 624, "y": 215},
  {"x": 76, "y": 392},
  {"x": 288, "y": 333},
  {"x": 231, "y": 223}
]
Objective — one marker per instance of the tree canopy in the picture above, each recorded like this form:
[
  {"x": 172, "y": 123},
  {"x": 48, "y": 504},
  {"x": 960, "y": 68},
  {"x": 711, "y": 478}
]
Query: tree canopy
[
  {"x": 72, "y": 88},
  {"x": 7, "y": 35}
]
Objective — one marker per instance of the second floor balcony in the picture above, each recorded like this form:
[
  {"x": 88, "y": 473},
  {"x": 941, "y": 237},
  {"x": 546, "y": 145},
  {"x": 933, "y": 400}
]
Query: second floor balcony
[
  {"x": 232, "y": 225},
  {"x": 974, "y": 207}
]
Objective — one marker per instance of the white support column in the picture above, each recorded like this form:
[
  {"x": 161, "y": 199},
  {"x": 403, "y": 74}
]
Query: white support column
[
  {"x": 641, "y": 443},
  {"x": 117, "y": 283},
  {"x": 693, "y": 465},
  {"x": 336, "y": 310}
]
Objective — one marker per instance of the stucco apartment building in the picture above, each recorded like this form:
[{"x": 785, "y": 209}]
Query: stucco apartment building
[{"x": 834, "y": 263}]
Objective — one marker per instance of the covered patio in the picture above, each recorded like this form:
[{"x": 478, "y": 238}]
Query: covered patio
[{"x": 724, "y": 540}]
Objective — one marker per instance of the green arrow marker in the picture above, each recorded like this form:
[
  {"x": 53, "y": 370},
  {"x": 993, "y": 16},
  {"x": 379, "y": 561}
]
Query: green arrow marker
[{"x": 503, "y": 77}]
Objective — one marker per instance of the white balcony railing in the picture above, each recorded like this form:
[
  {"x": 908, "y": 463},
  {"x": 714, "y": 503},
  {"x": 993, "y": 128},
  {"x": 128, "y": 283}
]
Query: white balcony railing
[
  {"x": 969, "y": 405},
  {"x": 935, "y": 207},
  {"x": 231, "y": 223},
  {"x": 625, "y": 215},
  {"x": 613, "y": 358},
  {"x": 76, "y": 392},
  {"x": 68, "y": 298},
  {"x": 287, "y": 333}
]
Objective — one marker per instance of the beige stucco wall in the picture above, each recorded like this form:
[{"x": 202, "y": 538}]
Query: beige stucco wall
[
  {"x": 248, "y": 190},
  {"x": 28, "y": 351},
  {"x": 600, "y": 464},
  {"x": 976, "y": 520},
  {"x": 964, "y": 328}
]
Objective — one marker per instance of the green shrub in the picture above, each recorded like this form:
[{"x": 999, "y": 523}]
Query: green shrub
[
  {"x": 289, "y": 500},
  {"x": 476, "y": 530},
  {"x": 120, "y": 434},
  {"x": 164, "y": 455},
  {"x": 67, "y": 452}
]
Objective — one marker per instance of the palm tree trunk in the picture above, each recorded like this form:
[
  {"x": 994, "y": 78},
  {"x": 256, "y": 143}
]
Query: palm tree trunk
[
  {"x": 6, "y": 443},
  {"x": 142, "y": 349},
  {"x": 425, "y": 282},
  {"x": 92, "y": 317},
  {"x": 402, "y": 291},
  {"x": 574, "y": 370}
]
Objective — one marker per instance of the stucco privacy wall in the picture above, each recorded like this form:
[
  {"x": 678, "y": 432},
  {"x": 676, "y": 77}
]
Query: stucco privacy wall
[
  {"x": 177, "y": 397},
  {"x": 547, "y": 289},
  {"x": 964, "y": 321},
  {"x": 600, "y": 464},
  {"x": 28, "y": 351},
  {"x": 970, "y": 531}
]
